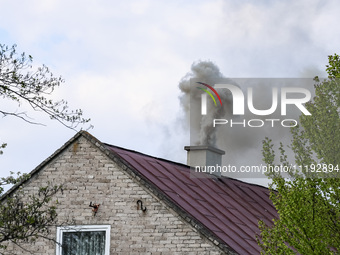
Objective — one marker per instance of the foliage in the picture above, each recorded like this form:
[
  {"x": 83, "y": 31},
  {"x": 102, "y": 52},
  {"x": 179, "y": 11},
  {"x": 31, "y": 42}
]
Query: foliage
[
  {"x": 25, "y": 217},
  {"x": 308, "y": 202},
  {"x": 2, "y": 146}
]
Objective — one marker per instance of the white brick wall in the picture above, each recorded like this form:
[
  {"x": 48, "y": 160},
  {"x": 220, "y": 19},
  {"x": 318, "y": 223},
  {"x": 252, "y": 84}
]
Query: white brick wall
[{"x": 89, "y": 175}]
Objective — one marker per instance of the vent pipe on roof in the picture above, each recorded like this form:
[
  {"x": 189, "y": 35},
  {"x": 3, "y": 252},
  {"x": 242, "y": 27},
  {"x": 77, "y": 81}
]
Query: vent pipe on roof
[{"x": 205, "y": 157}]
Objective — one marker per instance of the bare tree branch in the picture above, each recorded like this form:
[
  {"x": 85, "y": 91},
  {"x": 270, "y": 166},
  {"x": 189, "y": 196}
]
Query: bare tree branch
[{"x": 21, "y": 84}]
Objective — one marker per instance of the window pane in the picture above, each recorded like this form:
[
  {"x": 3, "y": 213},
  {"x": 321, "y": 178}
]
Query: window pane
[{"x": 84, "y": 243}]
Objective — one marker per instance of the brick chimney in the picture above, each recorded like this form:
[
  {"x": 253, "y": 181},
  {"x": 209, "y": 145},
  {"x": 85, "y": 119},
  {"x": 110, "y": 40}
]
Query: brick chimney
[{"x": 204, "y": 157}]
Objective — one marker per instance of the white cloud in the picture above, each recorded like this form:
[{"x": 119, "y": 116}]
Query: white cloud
[{"x": 124, "y": 59}]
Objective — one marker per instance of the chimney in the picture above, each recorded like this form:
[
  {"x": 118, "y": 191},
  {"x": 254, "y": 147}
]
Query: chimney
[{"x": 204, "y": 157}]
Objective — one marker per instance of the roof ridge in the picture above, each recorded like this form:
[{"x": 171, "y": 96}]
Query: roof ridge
[
  {"x": 220, "y": 178},
  {"x": 147, "y": 155}
]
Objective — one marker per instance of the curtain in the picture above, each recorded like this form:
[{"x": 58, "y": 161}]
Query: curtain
[{"x": 84, "y": 243}]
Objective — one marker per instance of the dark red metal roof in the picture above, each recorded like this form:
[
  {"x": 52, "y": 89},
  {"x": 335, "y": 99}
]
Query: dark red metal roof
[{"x": 227, "y": 207}]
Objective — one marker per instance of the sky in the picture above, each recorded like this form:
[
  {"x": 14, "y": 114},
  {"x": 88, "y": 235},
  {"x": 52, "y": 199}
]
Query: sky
[{"x": 122, "y": 62}]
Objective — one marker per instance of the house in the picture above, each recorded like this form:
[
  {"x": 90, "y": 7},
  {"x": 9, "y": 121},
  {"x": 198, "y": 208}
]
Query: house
[{"x": 147, "y": 205}]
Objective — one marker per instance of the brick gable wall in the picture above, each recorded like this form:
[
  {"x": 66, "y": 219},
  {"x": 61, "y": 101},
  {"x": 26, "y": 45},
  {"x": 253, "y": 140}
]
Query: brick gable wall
[{"x": 88, "y": 175}]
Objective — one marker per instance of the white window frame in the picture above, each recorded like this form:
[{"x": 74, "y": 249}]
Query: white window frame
[{"x": 83, "y": 228}]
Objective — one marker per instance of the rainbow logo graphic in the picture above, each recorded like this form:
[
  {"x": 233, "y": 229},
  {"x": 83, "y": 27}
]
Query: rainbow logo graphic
[{"x": 209, "y": 93}]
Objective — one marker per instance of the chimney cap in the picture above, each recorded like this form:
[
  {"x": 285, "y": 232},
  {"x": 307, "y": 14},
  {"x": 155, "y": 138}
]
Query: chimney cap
[{"x": 204, "y": 147}]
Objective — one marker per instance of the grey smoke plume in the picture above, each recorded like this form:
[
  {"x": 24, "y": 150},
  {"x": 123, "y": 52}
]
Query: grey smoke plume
[
  {"x": 206, "y": 72},
  {"x": 243, "y": 145}
]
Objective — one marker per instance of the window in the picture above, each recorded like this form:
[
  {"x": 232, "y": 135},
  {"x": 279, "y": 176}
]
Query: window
[{"x": 83, "y": 240}]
